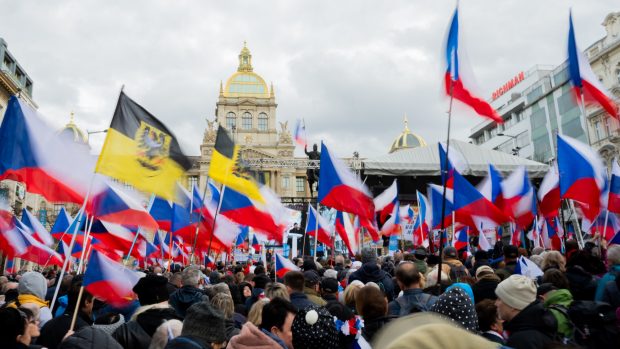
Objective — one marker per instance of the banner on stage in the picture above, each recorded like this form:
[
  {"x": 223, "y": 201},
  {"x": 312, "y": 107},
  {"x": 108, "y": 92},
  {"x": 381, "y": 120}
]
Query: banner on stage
[{"x": 240, "y": 256}]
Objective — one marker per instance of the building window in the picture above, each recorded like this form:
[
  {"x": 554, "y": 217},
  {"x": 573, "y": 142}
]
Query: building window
[
  {"x": 246, "y": 121},
  {"x": 598, "y": 132},
  {"x": 191, "y": 182},
  {"x": 231, "y": 120},
  {"x": 262, "y": 122},
  {"x": 264, "y": 177},
  {"x": 300, "y": 184},
  {"x": 286, "y": 182}
]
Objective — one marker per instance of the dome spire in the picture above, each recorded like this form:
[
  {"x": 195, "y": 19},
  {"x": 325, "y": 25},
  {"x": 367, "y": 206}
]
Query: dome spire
[
  {"x": 245, "y": 59},
  {"x": 406, "y": 123}
]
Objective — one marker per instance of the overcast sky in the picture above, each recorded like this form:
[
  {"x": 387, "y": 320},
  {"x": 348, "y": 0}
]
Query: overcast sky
[{"x": 351, "y": 69}]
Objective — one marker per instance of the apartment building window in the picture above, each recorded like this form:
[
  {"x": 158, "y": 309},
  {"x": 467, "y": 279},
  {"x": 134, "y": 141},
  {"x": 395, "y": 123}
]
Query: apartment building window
[{"x": 300, "y": 184}]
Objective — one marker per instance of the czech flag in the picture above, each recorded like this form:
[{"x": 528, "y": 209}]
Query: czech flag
[
  {"x": 11, "y": 242},
  {"x": 161, "y": 211},
  {"x": 469, "y": 202},
  {"x": 385, "y": 202},
  {"x": 582, "y": 175},
  {"x": 584, "y": 81},
  {"x": 144, "y": 250},
  {"x": 318, "y": 227},
  {"x": 371, "y": 227},
  {"x": 244, "y": 211},
  {"x": 519, "y": 198},
  {"x": 208, "y": 262},
  {"x": 613, "y": 204},
  {"x": 38, "y": 230},
  {"x": 341, "y": 189},
  {"x": 551, "y": 233},
  {"x": 491, "y": 186},
  {"x": 454, "y": 79},
  {"x": 392, "y": 225},
  {"x": 406, "y": 213},
  {"x": 435, "y": 195},
  {"x": 33, "y": 250},
  {"x": 461, "y": 239},
  {"x": 283, "y": 266},
  {"x": 111, "y": 236},
  {"x": 115, "y": 205},
  {"x": 347, "y": 232},
  {"x": 423, "y": 213},
  {"x": 109, "y": 281},
  {"x": 242, "y": 237},
  {"x": 63, "y": 250},
  {"x": 455, "y": 162},
  {"x": 549, "y": 193},
  {"x": 255, "y": 244},
  {"x": 300, "y": 134},
  {"x": 32, "y": 152},
  {"x": 63, "y": 220}
]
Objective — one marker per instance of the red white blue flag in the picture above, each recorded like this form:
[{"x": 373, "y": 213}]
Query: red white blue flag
[
  {"x": 300, "y": 134},
  {"x": 108, "y": 280},
  {"x": 385, "y": 202},
  {"x": 283, "y": 266}
]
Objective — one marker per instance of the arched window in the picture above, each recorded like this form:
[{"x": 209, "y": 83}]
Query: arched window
[
  {"x": 231, "y": 120},
  {"x": 263, "y": 122},
  {"x": 246, "y": 121}
]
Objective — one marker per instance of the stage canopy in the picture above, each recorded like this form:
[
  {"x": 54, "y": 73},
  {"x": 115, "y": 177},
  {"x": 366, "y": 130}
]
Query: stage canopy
[{"x": 424, "y": 161}]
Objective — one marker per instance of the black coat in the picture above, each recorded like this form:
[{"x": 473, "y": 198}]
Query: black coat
[
  {"x": 136, "y": 334},
  {"x": 533, "y": 328},
  {"x": 55, "y": 329},
  {"x": 90, "y": 337},
  {"x": 371, "y": 272},
  {"x": 484, "y": 289},
  {"x": 185, "y": 297}
]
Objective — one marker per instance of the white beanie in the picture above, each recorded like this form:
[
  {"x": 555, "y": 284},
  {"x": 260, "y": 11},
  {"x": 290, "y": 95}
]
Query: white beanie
[{"x": 517, "y": 291}]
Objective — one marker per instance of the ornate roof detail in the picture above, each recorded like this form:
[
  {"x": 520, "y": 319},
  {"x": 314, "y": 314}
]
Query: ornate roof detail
[{"x": 407, "y": 139}]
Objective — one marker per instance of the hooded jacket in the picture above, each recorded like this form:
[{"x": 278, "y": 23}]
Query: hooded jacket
[
  {"x": 534, "y": 327},
  {"x": 563, "y": 298},
  {"x": 371, "y": 272},
  {"x": 185, "y": 297},
  {"x": 90, "y": 337},
  {"x": 252, "y": 337}
]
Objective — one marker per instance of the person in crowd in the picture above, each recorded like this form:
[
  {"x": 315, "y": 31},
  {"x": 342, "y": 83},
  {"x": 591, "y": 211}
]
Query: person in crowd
[
  {"x": 613, "y": 265},
  {"x": 168, "y": 330},
  {"x": 32, "y": 289},
  {"x": 311, "y": 287},
  {"x": 452, "y": 265},
  {"x": 611, "y": 294},
  {"x": 371, "y": 305},
  {"x": 511, "y": 253},
  {"x": 294, "y": 282},
  {"x": 32, "y": 332},
  {"x": 245, "y": 291},
  {"x": 225, "y": 305},
  {"x": 481, "y": 257},
  {"x": 275, "y": 330},
  {"x": 13, "y": 329},
  {"x": 413, "y": 298},
  {"x": 486, "y": 283},
  {"x": 490, "y": 325},
  {"x": 552, "y": 297},
  {"x": 109, "y": 322},
  {"x": 431, "y": 285},
  {"x": 314, "y": 327},
  {"x": 457, "y": 305},
  {"x": 89, "y": 337},
  {"x": 174, "y": 282},
  {"x": 553, "y": 259},
  {"x": 582, "y": 285},
  {"x": 350, "y": 294},
  {"x": 190, "y": 293},
  {"x": 258, "y": 291},
  {"x": 329, "y": 292},
  {"x": 255, "y": 316},
  {"x": 555, "y": 277},
  {"x": 204, "y": 327},
  {"x": 370, "y": 272},
  {"x": 276, "y": 289},
  {"x": 54, "y": 330},
  {"x": 528, "y": 323}
]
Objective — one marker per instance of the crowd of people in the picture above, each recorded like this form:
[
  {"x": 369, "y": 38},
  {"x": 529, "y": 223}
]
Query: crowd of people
[{"x": 402, "y": 301}]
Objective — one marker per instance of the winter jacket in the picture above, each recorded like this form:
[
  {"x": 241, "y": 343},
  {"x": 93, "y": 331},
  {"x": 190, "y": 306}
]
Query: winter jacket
[
  {"x": 611, "y": 294},
  {"x": 90, "y": 337},
  {"x": 314, "y": 297},
  {"x": 185, "y": 297},
  {"x": 370, "y": 272},
  {"x": 187, "y": 342},
  {"x": 505, "y": 272},
  {"x": 257, "y": 293},
  {"x": 413, "y": 297},
  {"x": 563, "y": 298},
  {"x": 136, "y": 334},
  {"x": 533, "y": 328},
  {"x": 610, "y": 276},
  {"x": 54, "y": 330},
  {"x": 373, "y": 326},
  {"x": 485, "y": 289},
  {"x": 451, "y": 263},
  {"x": 582, "y": 285},
  {"x": 300, "y": 300},
  {"x": 231, "y": 329},
  {"x": 336, "y": 308},
  {"x": 252, "y": 337}
]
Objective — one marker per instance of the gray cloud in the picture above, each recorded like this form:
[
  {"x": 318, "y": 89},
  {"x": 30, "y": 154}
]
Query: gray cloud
[{"x": 351, "y": 69}]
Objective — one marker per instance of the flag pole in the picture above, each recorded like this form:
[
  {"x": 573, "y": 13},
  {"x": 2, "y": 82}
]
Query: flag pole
[
  {"x": 578, "y": 227},
  {"x": 77, "y": 307},
  {"x": 86, "y": 244},
  {"x": 204, "y": 193},
  {"x": 217, "y": 212},
  {"x": 316, "y": 231},
  {"x": 444, "y": 173}
]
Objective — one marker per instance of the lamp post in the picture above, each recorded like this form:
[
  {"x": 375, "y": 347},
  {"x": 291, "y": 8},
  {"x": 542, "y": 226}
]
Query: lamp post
[{"x": 515, "y": 150}]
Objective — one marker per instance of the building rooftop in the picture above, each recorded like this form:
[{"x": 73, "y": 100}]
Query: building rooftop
[
  {"x": 245, "y": 83},
  {"x": 407, "y": 139}
]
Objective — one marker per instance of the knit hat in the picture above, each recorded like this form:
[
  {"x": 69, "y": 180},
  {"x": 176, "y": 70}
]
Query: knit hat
[
  {"x": 311, "y": 278},
  {"x": 517, "y": 291},
  {"x": 456, "y": 305},
  {"x": 204, "y": 322},
  {"x": 329, "y": 285},
  {"x": 33, "y": 283},
  {"x": 369, "y": 255},
  {"x": 314, "y": 327},
  {"x": 152, "y": 289},
  {"x": 110, "y": 328},
  {"x": 484, "y": 270}
]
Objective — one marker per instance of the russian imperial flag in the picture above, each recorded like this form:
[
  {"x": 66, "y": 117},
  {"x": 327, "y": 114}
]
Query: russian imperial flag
[
  {"x": 583, "y": 79},
  {"x": 108, "y": 280},
  {"x": 341, "y": 189},
  {"x": 283, "y": 266}
]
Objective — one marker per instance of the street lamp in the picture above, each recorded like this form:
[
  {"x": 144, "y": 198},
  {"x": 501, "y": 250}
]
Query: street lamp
[
  {"x": 515, "y": 150},
  {"x": 88, "y": 133}
]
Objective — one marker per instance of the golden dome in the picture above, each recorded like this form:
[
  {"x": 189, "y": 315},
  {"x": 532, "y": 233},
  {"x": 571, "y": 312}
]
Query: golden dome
[
  {"x": 72, "y": 132},
  {"x": 407, "y": 139},
  {"x": 245, "y": 83}
]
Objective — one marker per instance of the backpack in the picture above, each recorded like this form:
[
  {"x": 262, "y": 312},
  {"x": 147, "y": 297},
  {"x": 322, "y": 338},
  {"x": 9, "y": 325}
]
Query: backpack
[
  {"x": 593, "y": 323},
  {"x": 423, "y": 303}
]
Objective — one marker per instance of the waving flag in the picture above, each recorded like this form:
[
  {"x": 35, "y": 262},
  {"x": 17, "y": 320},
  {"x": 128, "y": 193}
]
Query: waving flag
[
  {"x": 461, "y": 239},
  {"x": 111, "y": 236},
  {"x": 255, "y": 244},
  {"x": 140, "y": 150},
  {"x": 454, "y": 79},
  {"x": 300, "y": 134},
  {"x": 242, "y": 237},
  {"x": 116, "y": 205},
  {"x": 613, "y": 203},
  {"x": 11, "y": 241},
  {"x": 469, "y": 202},
  {"x": 161, "y": 211},
  {"x": 455, "y": 163},
  {"x": 406, "y": 213},
  {"x": 582, "y": 175},
  {"x": 341, "y": 189},
  {"x": 392, "y": 225},
  {"x": 584, "y": 81},
  {"x": 109, "y": 281},
  {"x": 244, "y": 211},
  {"x": 33, "y": 153},
  {"x": 491, "y": 186},
  {"x": 144, "y": 250},
  {"x": 38, "y": 230},
  {"x": 347, "y": 233},
  {"x": 31, "y": 249},
  {"x": 283, "y": 266},
  {"x": 371, "y": 227},
  {"x": 385, "y": 202},
  {"x": 208, "y": 262},
  {"x": 318, "y": 227},
  {"x": 423, "y": 214},
  {"x": 63, "y": 250},
  {"x": 519, "y": 198},
  {"x": 435, "y": 195},
  {"x": 63, "y": 220},
  {"x": 551, "y": 233},
  {"x": 549, "y": 193},
  {"x": 527, "y": 268}
]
